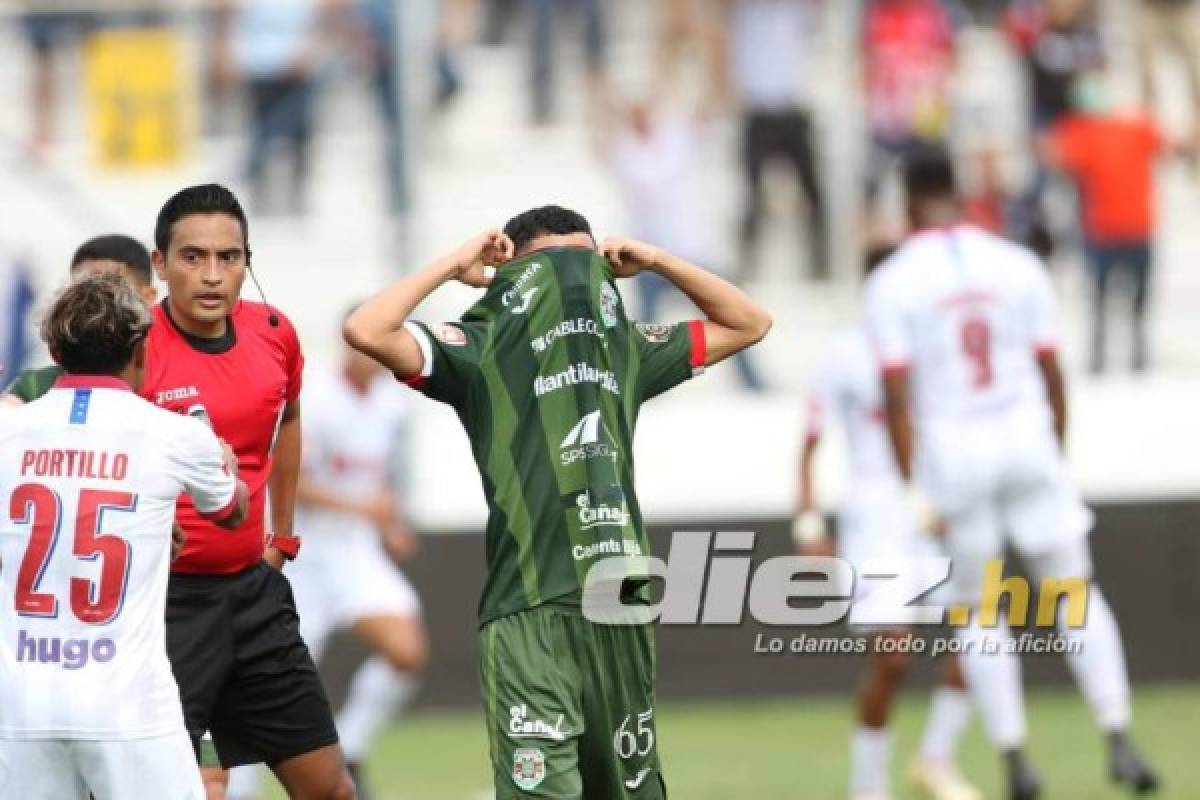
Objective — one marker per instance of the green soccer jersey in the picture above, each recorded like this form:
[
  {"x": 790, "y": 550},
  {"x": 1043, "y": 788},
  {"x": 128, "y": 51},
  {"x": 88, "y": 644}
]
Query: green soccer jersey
[
  {"x": 33, "y": 383},
  {"x": 547, "y": 375}
]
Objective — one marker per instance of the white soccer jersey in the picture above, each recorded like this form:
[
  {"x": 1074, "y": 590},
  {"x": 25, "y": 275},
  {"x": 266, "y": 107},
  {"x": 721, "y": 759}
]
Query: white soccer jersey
[
  {"x": 847, "y": 388},
  {"x": 966, "y": 311},
  {"x": 350, "y": 443},
  {"x": 89, "y": 477}
]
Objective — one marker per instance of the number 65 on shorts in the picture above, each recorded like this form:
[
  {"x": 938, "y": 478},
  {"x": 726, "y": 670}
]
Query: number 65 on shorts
[{"x": 569, "y": 706}]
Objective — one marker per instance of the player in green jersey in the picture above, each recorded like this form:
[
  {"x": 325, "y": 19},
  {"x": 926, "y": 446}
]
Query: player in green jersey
[
  {"x": 104, "y": 254},
  {"x": 547, "y": 375}
]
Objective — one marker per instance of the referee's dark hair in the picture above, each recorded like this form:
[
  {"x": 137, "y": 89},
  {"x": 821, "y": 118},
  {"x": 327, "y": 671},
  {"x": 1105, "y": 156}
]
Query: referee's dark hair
[
  {"x": 208, "y": 198},
  {"x": 528, "y": 225},
  {"x": 120, "y": 248},
  {"x": 95, "y": 325}
]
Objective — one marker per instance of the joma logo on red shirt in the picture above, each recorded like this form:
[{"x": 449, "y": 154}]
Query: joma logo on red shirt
[{"x": 165, "y": 396}]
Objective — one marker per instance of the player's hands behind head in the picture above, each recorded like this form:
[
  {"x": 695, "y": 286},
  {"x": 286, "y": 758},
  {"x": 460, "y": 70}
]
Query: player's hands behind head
[
  {"x": 489, "y": 249},
  {"x": 629, "y": 256}
]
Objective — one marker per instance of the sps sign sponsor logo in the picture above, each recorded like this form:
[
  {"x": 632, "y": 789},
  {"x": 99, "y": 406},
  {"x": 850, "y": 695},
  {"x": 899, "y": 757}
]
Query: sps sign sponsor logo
[{"x": 587, "y": 440}]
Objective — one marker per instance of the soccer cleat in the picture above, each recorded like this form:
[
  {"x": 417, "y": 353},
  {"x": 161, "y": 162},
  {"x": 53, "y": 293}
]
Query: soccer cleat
[
  {"x": 872, "y": 796},
  {"x": 1127, "y": 766},
  {"x": 941, "y": 782},
  {"x": 1023, "y": 781}
]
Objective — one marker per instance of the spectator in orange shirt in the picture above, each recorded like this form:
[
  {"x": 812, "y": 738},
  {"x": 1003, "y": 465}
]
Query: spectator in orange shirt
[{"x": 1112, "y": 156}]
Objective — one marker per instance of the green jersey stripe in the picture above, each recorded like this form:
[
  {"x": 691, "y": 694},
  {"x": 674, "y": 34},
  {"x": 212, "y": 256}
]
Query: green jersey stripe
[{"x": 508, "y": 495}]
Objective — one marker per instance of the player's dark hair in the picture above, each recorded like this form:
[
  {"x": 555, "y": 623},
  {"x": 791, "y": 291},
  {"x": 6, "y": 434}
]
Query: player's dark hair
[
  {"x": 930, "y": 176},
  {"x": 95, "y": 325},
  {"x": 528, "y": 225},
  {"x": 120, "y": 248},
  {"x": 208, "y": 198}
]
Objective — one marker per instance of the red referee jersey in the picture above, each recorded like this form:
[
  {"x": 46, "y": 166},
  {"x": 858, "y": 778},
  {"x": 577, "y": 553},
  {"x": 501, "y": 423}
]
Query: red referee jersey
[{"x": 243, "y": 381}]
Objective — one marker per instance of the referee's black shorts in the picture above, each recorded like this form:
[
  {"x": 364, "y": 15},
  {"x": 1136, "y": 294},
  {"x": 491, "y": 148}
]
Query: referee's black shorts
[{"x": 243, "y": 671}]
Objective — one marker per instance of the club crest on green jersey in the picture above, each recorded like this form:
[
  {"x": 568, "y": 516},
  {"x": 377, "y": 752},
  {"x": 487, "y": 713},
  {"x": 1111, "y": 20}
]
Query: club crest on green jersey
[
  {"x": 529, "y": 768},
  {"x": 451, "y": 334},
  {"x": 609, "y": 300},
  {"x": 654, "y": 332}
]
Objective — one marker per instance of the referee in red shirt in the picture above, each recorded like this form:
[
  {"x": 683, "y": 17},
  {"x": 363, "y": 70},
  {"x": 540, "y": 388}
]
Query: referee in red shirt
[{"x": 233, "y": 638}]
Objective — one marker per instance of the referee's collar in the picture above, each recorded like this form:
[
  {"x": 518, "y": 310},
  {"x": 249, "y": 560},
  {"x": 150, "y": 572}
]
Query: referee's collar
[
  {"x": 91, "y": 382},
  {"x": 209, "y": 346}
]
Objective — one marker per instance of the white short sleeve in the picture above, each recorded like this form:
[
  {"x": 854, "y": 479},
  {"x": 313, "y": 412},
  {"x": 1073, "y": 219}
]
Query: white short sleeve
[
  {"x": 1043, "y": 310},
  {"x": 200, "y": 468},
  {"x": 885, "y": 318}
]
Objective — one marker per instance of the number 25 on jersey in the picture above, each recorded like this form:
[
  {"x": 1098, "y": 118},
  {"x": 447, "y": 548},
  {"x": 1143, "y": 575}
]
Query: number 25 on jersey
[{"x": 95, "y": 603}]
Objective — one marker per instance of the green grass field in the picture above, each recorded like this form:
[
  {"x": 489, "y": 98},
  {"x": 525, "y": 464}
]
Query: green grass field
[{"x": 796, "y": 749}]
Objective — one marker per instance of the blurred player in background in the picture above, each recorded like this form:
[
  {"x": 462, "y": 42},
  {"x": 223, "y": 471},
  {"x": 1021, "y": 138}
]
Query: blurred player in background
[
  {"x": 965, "y": 326},
  {"x": 87, "y": 699},
  {"x": 233, "y": 634},
  {"x": 114, "y": 253},
  {"x": 16, "y": 300},
  {"x": 353, "y": 524},
  {"x": 874, "y": 525},
  {"x": 547, "y": 375}
]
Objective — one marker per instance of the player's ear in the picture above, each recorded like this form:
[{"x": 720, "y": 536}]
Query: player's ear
[{"x": 160, "y": 264}]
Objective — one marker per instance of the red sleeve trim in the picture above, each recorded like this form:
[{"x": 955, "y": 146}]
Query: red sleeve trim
[
  {"x": 1046, "y": 348},
  {"x": 699, "y": 354},
  {"x": 226, "y": 512},
  {"x": 415, "y": 382},
  {"x": 895, "y": 368}
]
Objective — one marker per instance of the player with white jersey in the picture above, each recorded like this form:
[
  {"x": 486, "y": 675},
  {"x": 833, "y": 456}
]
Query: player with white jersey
[
  {"x": 89, "y": 478},
  {"x": 348, "y": 509},
  {"x": 874, "y": 527},
  {"x": 964, "y": 324}
]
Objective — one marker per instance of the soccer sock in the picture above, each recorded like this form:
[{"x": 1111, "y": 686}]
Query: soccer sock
[
  {"x": 1097, "y": 660},
  {"x": 994, "y": 680},
  {"x": 870, "y": 761},
  {"x": 377, "y": 693},
  {"x": 949, "y": 713}
]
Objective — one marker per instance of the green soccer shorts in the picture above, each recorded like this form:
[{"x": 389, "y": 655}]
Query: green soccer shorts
[{"x": 569, "y": 706}]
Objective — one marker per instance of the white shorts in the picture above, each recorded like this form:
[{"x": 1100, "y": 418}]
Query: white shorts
[
  {"x": 995, "y": 482},
  {"x": 877, "y": 536},
  {"x": 344, "y": 577},
  {"x": 162, "y": 768}
]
